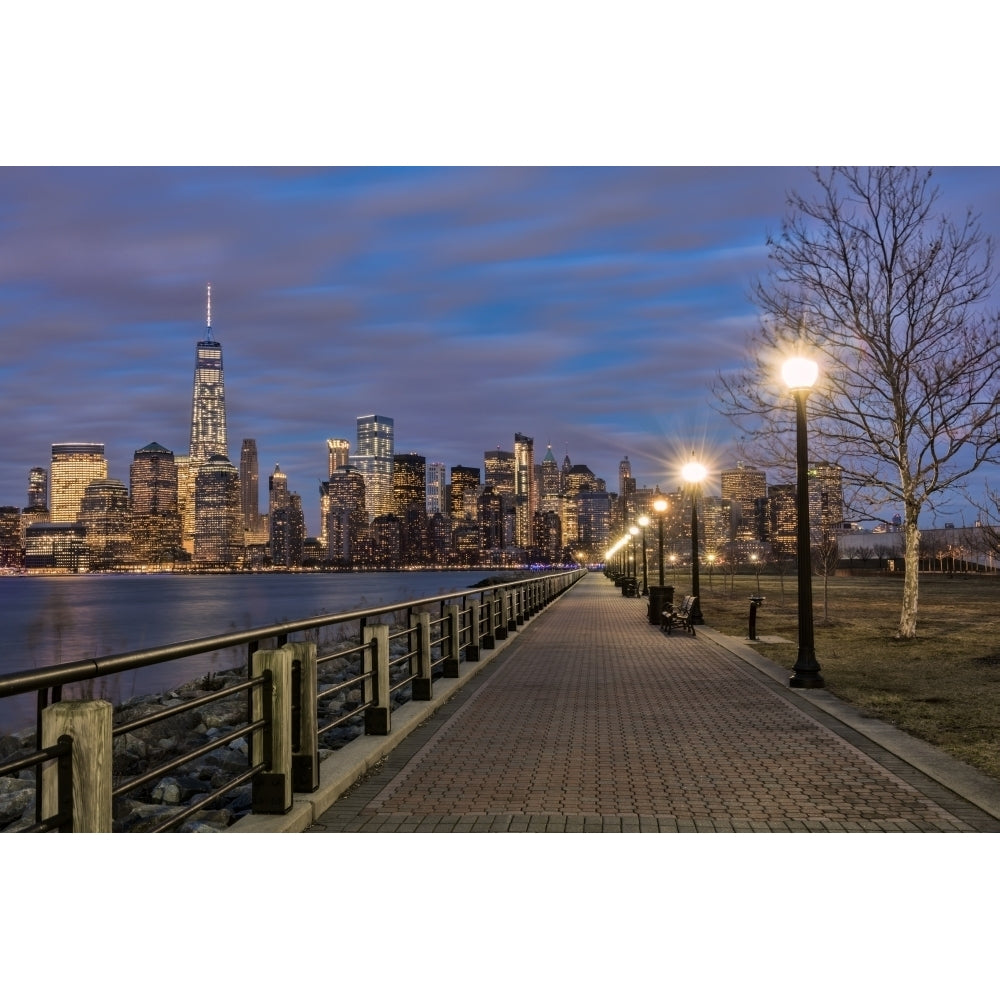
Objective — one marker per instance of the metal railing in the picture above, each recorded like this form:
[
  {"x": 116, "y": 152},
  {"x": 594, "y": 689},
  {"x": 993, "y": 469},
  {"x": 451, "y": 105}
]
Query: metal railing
[{"x": 287, "y": 702}]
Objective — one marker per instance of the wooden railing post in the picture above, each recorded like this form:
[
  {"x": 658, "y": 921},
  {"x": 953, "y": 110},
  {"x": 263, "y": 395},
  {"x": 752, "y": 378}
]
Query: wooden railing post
[
  {"x": 272, "y": 789},
  {"x": 420, "y": 644},
  {"x": 511, "y": 599},
  {"x": 376, "y": 661},
  {"x": 452, "y": 640},
  {"x": 305, "y": 717},
  {"x": 489, "y": 616},
  {"x": 88, "y": 723},
  {"x": 475, "y": 632}
]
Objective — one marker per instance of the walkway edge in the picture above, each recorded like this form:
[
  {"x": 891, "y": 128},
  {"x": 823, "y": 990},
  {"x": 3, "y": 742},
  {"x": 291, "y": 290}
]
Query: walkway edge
[
  {"x": 961, "y": 778},
  {"x": 346, "y": 766}
]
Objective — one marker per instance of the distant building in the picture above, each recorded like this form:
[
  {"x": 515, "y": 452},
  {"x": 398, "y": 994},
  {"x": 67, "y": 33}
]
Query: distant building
[
  {"x": 155, "y": 518},
  {"x": 346, "y": 517},
  {"x": 11, "y": 549},
  {"x": 743, "y": 487},
  {"x": 104, "y": 514},
  {"x": 56, "y": 545},
  {"x": 463, "y": 492},
  {"x": 218, "y": 535},
  {"x": 38, "y": 488},
  {"x": 208, "y": 401},
  {"x": 436, "y": 487},
  {"x": 374, "y": 460},
  {"x": 74, "y": 467},
  {"x": 526, "y": 499}
]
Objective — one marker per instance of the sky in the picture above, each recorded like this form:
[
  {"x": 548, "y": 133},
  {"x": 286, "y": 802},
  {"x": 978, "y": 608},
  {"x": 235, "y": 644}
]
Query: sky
[
  {"x": 503, "y": 249},
  {"x": 590, "y": 308}
]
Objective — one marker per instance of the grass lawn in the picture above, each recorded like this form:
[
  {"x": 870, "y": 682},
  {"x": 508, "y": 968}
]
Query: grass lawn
[{"x": 943, "y": 686}]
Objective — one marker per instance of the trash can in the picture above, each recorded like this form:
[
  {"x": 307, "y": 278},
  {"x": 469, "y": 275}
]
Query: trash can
[
  {"x": 659, "y": 598},
  {"x": 756, "y": 600}
]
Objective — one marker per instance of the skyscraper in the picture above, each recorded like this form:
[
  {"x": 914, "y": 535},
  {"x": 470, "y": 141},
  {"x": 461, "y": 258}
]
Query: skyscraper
[
  {"x": 524, "y": 491},
  {"x": 743, "y": 486},
  {"x": 38, "y": 488},
  {"x": 208, "y": 406},
  {"x": 104, "y": 513},
  {"x": 549, "y": 483},
  {"x": 436, "y": 488},
  {"x": 338, "y": 452},
  {"x": 156, "y": 521},
  {"x": 249, "y": 485},
  {"x": 74, "y": 468},
  {"x": 218, "y": 532},
  {"x": 374, "y": 460},
  {"x": 463, "y": 493}
]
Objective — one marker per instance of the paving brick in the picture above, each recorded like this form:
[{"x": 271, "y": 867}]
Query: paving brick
[{"x": 595, "y": 721}]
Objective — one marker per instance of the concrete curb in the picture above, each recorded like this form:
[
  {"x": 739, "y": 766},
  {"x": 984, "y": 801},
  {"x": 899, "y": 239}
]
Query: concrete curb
[{"x": 974, "y": 786}]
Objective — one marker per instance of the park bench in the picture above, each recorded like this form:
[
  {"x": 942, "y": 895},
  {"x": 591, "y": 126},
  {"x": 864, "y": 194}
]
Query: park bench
[{"x": 683, "y": 616}]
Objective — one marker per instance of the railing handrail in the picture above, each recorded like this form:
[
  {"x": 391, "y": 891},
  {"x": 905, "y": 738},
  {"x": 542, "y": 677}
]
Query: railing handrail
[{"x": 74, "y": 671}]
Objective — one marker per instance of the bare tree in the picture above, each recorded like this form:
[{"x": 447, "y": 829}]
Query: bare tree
[
  {"x": 890, "y": 300},
  {"x": 826, "y": 558}
]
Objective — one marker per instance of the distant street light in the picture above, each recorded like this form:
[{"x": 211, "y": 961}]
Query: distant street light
[
  {"x": 660, "y": 506},
  {"x": 693, "y": 473},
  {"x": 800, "y": 375},
  {"x": 644, "y": 523}
]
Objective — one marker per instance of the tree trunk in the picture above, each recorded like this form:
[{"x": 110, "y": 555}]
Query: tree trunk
[{"x": 911, "y": 577}]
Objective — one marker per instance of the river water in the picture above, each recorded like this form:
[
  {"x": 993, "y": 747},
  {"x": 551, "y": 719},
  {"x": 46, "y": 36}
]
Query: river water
[{"x": 45, "y": 620}]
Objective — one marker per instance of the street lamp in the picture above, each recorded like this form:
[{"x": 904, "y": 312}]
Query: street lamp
[
  {"x": 660, "y": 506},
  {"x": 633, "y": 532},
  {"x": 693, "y": 473},
  {"x": 644, "y": 524},
  {"x": 800, "y": 375}
]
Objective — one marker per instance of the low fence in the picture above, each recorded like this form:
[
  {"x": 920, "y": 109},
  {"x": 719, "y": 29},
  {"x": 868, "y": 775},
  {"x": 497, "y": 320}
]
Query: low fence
[{"x": 342, "y": 675}]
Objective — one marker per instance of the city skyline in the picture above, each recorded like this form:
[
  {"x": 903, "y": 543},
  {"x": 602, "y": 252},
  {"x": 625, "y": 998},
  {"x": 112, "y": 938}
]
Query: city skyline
[{"x": 586, "y": 308}]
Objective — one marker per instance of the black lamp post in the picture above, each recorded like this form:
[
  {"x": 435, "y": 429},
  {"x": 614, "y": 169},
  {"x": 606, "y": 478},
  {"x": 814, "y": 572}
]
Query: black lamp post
[
  {"x": 800, "y": 375},
  {"x": 660, "y": 506},
  {"x": 693, "y": 473},
  {"x": 644, "y": 523}
]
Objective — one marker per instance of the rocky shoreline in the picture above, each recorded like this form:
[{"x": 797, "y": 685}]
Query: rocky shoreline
[{"x": 143, "y": 749}]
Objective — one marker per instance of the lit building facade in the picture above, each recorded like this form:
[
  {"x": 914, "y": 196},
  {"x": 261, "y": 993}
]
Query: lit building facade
[
  {"x": 436, "y": 487},
  {"x": 338, "y": 451},
  {"x": 59, "y": 545},
  {"x": 549, "y": 483},
  {"x": 104, "y": 514},
  {"x": 826, "y": 499},
  {"x": 526, "y": 499},
  {"x": 463, "y": 493},
  {"x": 74, "y": 467},
  {"x": 374, "y": 460},
  {"x": 743, "y": 487},
  {"x": 218, "y": 532},
  {"x": 346, "y": 516},
  {"x": 155, "y": 518},
  {"x": 208, "y": 401},
  {"x": 11, "y": 549},
  {"x": 38, "y": 488}
]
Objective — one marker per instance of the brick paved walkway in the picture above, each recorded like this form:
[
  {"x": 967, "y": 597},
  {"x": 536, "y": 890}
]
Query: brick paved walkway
[{"x": 594, "y": 720}]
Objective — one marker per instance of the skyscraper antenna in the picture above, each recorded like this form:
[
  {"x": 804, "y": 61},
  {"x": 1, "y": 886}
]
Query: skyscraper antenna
[{"x": 210, "y": 306}]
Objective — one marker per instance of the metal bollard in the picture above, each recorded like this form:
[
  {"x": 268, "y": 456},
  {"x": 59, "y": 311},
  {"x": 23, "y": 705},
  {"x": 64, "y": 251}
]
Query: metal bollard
[{"x": 756, "y": 600}]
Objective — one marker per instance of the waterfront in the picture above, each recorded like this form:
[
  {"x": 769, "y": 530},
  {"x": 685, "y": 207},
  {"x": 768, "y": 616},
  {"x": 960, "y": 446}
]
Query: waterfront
[{"x": 47, "y": 620}]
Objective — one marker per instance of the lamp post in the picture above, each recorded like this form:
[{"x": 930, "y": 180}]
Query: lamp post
[
  {"x": 633, "y": 532},
  {"x": 800, "y": 375},
  {"x": 659, "y": 596},
  {"x": 644, "y": 523},
  {"x": 693, "y": 473},
  {"x": 660, "y": 506}
]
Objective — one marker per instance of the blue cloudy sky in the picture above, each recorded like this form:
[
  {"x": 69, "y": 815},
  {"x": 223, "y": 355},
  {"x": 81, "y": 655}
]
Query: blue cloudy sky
[{"x": 589, "y": 308}]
